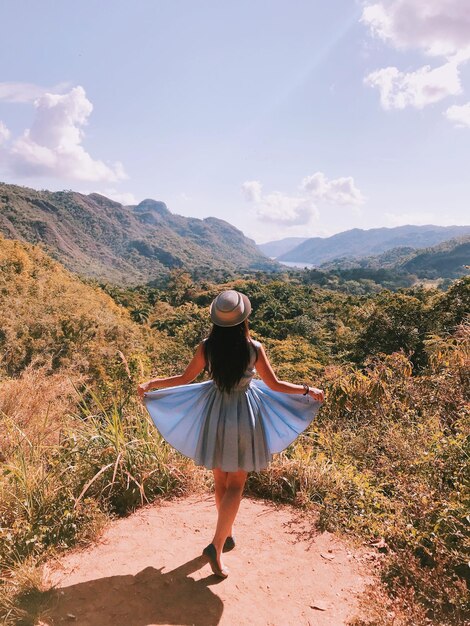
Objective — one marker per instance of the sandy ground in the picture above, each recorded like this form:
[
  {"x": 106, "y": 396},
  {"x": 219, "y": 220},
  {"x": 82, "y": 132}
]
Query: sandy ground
[{"x": 146, "y": 570}]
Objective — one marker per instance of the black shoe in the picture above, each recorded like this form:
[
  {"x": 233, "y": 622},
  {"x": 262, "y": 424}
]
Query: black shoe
[
  {"x": 229, "y": 544},
  {"x": 211, "y": 554}
]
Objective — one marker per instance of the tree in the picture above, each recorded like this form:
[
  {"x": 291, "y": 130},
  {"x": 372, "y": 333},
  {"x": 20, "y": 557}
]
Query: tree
[
  {"x": 395, "y": 322},
  {"x": 180, "y": 287}
]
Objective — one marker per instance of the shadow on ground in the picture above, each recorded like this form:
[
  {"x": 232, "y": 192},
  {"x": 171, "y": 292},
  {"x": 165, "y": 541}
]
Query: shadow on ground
[{"x": 149, "y": 597}]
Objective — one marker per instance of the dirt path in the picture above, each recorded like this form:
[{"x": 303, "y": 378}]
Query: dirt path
[{"x": 146, "y": 570}]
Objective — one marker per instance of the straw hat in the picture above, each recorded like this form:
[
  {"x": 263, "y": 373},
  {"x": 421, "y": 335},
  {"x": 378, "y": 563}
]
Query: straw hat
[{"x": 230, "y": 308}]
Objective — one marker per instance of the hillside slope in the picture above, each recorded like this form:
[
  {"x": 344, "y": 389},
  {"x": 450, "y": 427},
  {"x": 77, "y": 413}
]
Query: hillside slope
[
  {"x": 51, "y": 318},
  {"x": 449, "y": 259},
  {"x": 359, "y": 243},
  {"x": 48, "y": 315},
  {"x": 97, "y": 237}
]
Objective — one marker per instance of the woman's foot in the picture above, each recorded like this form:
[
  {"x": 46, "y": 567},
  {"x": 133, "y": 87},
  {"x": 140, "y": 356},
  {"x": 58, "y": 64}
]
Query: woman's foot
[
  {"x": 211, "y": 553},
  {"x": 229, "y": 544}
]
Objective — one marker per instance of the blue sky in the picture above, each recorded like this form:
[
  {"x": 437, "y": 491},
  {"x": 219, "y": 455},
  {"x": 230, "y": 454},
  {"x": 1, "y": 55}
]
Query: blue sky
[{"x": 285, "y": 118}]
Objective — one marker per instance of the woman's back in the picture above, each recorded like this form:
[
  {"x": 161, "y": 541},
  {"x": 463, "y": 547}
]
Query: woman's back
[{"x": 248, "y": 374}]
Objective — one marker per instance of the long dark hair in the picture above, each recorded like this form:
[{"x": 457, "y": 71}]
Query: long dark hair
[{"x": 227, "y": 354}]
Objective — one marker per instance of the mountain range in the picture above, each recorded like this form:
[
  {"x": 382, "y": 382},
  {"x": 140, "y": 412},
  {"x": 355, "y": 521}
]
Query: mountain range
[
  {"x": 358, "y": 243},
  {"x": 99, "y": 238}
]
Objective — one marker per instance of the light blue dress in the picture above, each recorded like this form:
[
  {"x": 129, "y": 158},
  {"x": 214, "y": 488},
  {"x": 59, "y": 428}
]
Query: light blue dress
[{"x": 240, "y": 429}]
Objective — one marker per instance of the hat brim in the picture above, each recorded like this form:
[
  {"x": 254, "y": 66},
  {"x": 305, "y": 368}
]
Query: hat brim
[{"x": 218, "y": 321}]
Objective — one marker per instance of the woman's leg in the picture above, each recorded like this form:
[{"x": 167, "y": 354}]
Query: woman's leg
[
  {"x": 220, "y": 481},
  {"x": 228, "y": 507}
]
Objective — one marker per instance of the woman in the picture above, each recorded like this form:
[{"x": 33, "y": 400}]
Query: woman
[{"x": 230, "y": 424}]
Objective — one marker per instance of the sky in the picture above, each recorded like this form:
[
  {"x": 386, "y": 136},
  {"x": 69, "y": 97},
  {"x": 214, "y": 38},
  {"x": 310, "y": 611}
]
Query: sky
[{"x": 283, "y": 117}]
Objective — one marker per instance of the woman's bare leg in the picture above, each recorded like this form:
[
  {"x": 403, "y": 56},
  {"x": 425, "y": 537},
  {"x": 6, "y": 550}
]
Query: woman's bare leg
[
  {"x": 220, "y": 481},
  {"x": 228, "y": 508}
]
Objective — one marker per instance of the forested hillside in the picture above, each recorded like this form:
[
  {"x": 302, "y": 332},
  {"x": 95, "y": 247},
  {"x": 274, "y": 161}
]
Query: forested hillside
[
  {"x": 450, "y": 259},
  {"x": 97, "y": 237}
]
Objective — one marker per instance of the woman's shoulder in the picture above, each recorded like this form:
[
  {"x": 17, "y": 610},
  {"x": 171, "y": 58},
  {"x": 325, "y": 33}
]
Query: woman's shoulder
[{"x": 255, "y": 344}]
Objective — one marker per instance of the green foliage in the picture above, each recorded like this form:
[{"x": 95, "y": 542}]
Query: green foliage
[
  {"x": 180, "y": 288},
  {"x": 356, "y": 280},
  {"x": 403, "y": 321},
  {"x": 187, "y": 323},
  {"x": 394, "y": 322},
  {"x": 452, "y": 308},
  {"x": 448, "y": 259}
]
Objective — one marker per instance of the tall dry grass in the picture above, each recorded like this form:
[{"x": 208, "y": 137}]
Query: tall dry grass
[
  {"x": 60, "y": 484},
  {"x": 36, "y": 403}
]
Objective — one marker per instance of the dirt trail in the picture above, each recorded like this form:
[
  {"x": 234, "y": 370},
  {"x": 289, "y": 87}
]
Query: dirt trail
[{"x": 146, "y": 570}]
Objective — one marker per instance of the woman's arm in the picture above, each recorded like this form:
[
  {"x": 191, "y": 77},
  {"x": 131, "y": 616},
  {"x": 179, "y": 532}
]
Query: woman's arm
[
  {"x": 264, "y": 369},
  {"x": 195, "y": 367}
]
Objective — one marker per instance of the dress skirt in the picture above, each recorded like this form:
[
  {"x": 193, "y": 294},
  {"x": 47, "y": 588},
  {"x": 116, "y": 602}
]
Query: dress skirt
[{"x": 236, "y": 430}]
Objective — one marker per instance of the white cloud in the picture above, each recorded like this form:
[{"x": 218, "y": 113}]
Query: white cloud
[
  {"x": 26, "y": 92},
  {"x": 417, "y": 89},
  {"x": 436, "y": 27},
  {"x": 336, "y": 191},
  {"x": 460, "y": 115},
  {"x": 299, "y": 209},
  {"x": 53, "y": 144},
  {"x": 251, "y": 190},
  {"x": 279, "y": 208},
  {"x": 4, "y": 133}
]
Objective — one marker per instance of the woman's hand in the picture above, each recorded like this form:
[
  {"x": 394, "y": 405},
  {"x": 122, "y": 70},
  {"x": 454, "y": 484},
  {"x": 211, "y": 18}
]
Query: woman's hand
[
  {"x": 142, "y": 388},
  {"x": 317, "y": 394},
  {"x": 194, "y": 368}
]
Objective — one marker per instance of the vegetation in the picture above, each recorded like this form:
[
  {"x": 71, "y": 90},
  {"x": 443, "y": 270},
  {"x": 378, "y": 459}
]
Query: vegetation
[
  {"x": 449, "y": 259},
  {"x": 99, "y": 238},
  {"x": 386, "y": 461}
]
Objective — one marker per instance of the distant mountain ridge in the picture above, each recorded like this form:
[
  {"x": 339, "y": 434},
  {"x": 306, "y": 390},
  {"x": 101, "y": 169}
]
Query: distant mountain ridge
[
  {"x": 274, "y": 249},
  {"x": 97, "y": 237},
  {"x": 358, "y": 243},
  {"x": 449, "y": 259}
]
